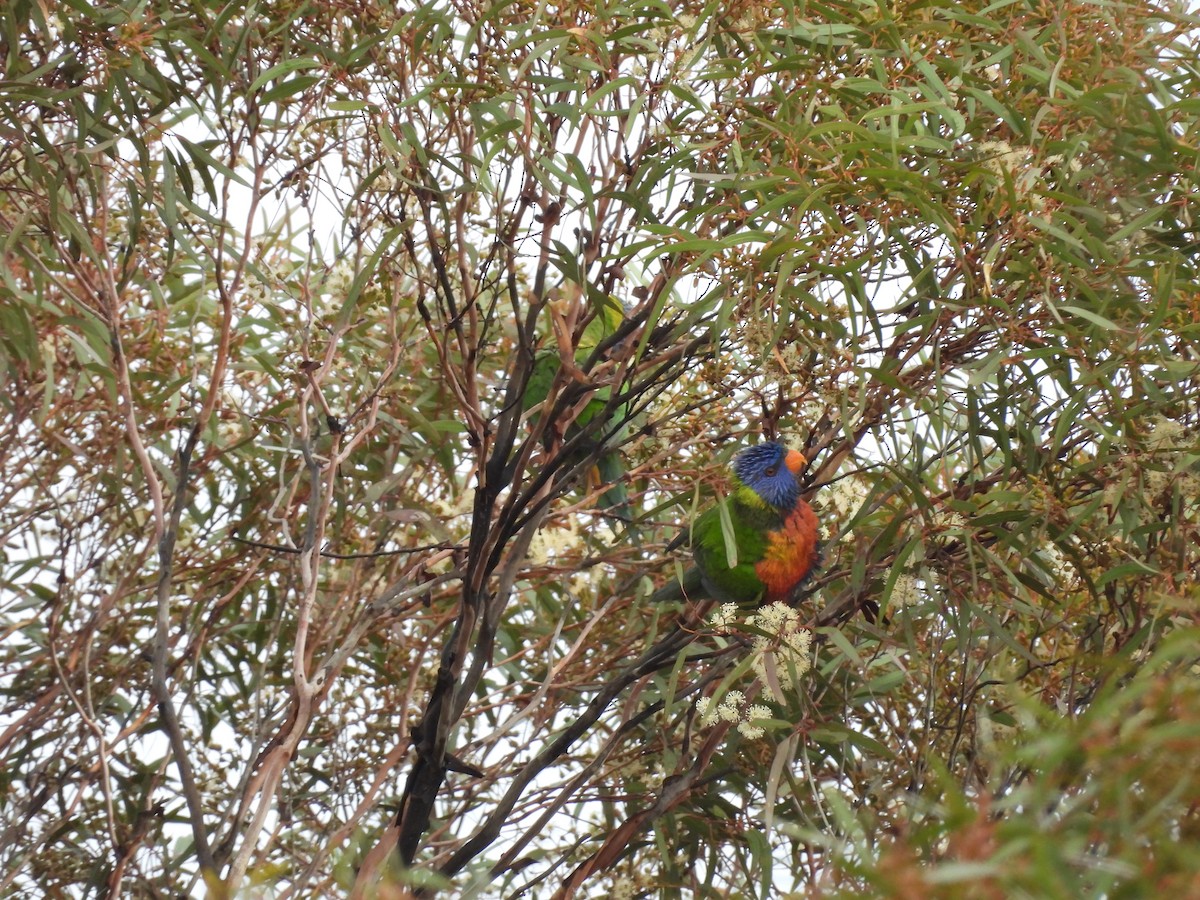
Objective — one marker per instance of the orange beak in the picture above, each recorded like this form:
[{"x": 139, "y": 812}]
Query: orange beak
[{"x": 796, "y": 461}]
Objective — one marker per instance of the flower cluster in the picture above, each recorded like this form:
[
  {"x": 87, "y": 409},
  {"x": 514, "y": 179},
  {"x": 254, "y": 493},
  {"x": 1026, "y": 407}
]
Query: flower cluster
[
  {"x": 1165, "y": 434},
  {"x": 1057, "y": 567},
  {"x": 750, "y": 718},
  {"x": 454, "y": 511},
  {"x": 948, "y": 523},
  {"x": 784, "y": 649},
  {"x": 623, "y": 888},
  {"x": 906, "y": 592},
  {"x": 724, "y": 618},
  {"x": 627, "y": 887},
  {"x": 555, "y": 539},
  {"x": 1020, "y": 167},
  {"x": 1148, "y": 484},
  {"x": 338, "y": 279},
  {"x": 841, "y": 501},
  {"x": 781, "y": 654}
]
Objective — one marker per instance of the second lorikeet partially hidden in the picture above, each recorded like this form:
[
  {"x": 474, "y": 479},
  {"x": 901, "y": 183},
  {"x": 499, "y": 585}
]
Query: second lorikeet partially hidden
[
  {"x": 775, "y": 545},
  {"x": 605, "y": 438}
]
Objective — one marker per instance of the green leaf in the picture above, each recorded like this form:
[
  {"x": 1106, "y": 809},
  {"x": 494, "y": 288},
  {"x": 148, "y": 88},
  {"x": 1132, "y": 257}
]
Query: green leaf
[
  {"x": 284, "y": 68},
  {"x": 728, "y": 535},
  {"x": 1093, "y": 317}
]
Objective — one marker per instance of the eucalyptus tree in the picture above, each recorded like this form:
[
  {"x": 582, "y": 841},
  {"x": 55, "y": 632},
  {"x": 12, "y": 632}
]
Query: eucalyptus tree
[{"x": 318, "y": 318}]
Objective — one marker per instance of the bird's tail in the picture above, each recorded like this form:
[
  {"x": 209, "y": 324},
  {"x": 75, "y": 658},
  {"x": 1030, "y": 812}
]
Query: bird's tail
[{"x": 690, "y": 588}]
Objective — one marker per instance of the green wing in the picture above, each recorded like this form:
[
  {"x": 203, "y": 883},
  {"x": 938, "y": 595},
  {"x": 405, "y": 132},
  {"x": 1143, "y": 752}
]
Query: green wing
[
  {"x": 739, "y": 583},
  {"x": 610, "y": 316}
]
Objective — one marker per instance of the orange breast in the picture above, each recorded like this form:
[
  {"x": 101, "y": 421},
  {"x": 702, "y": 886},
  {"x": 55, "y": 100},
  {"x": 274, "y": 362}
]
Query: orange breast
[{"x": 791, "y": 553}]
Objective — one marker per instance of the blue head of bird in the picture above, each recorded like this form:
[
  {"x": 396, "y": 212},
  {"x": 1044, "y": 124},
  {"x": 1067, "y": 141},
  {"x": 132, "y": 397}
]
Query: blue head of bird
[{"x": 772, "y": 471}]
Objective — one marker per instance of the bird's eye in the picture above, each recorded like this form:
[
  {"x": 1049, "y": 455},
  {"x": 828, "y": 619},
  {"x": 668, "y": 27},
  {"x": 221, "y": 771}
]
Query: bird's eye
[{"x": 771, "y": 470}]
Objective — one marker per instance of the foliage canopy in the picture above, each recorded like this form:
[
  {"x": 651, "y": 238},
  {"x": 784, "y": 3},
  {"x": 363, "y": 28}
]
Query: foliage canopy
[{"x": 301, "y": 593}]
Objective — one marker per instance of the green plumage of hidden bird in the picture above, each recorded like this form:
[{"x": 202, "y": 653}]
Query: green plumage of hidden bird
[
  {"x": 774, "y": 532},
  {"x": 605, "y": 437}
]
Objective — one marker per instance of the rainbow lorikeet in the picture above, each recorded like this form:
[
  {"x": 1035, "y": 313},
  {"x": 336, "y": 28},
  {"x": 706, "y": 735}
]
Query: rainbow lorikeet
[
  {"x": 604, "y": 437},
  {"x": 775, "y": 546}
]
